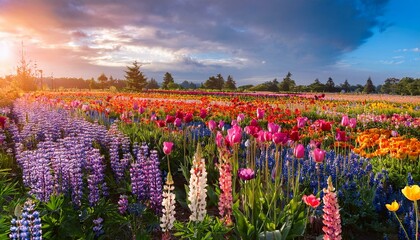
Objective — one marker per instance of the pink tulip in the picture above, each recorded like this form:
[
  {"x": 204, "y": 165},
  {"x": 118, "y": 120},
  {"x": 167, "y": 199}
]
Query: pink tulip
[
  {"x": 252, "y": 130},
  {"x": 178, "y": 122},
  {"x": 219, "y": 139},
  {"x": 345, "y": 120},
  {"x": 169, "y": 119},
  {"x": 203, "y": 113},
  {"x": 141, "y": 110},
  {"x": 394, "y": 133},
  {"x": 153, "y": 117},
  {"x": 234, "y": 135},
  {"x": 167, "y": 147},
  {"x": 272, "y": 127},
  {"x": 299, "y": 151},
  {"x": 260, "y": 113},
  {"x": 353, "y": 122},
  {"x": 280, "y": 138},
  {"x": 179, "y": 114},
  {"x": 212, "y": 125},
  {"x": 301, "y": 121},
  {"x": 340, "y": 136},
  {"x": 233, "y": 123},
  {"x": 221, "y": 124},
  {"x": 188, "y": 117},
  {"x": 264, "y": 136},
  {"x": 240, "y": 117},
  {"x": 254, "y": 122},
  {"x": 319, "y": 155}
]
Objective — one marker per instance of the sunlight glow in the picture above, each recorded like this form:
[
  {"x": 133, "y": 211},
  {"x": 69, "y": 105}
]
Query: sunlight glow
[{"x": 5, "y": 51}]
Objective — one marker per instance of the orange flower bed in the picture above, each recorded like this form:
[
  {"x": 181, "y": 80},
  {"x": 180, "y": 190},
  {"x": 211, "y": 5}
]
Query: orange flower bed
[{"x": 379, "y": 142}]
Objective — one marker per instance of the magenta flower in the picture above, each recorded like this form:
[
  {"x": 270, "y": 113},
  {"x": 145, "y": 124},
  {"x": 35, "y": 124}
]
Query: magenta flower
[
  {"x": 234, "y": 135},
  {"x": 188, "y": 117},
  {"x": 219, "y": 139},
  {"x": 340, "y": 136},
  {"x": 212, "y": 125},
  {"x": 221, "y": 124},
  {"x": 246, "y": 173},
  {"x": 240, "y": 117},
  {"x": 252, "y": 130},
  {"x": 301, "y": 122},
  {"x": 203, "y": 113},
  {"x": 167, "y": 147},
  {"x": 153, "y": 117},
  {"x": 345, "y": 120},
  {"x": 178, "y": 122},
  {"x": 353, "y": 122},
  {"x": 272, "y": 127},
  {"x": 264, "y": 136},
  {"x": 280, "y": 138},
  {"x": 299, "y": 151},
  {"x": 260, "y": 113},
  {"x": 319, "y": 155},
  {"x": 254, "y": 122},
  {"x": 325, "y": 126}
]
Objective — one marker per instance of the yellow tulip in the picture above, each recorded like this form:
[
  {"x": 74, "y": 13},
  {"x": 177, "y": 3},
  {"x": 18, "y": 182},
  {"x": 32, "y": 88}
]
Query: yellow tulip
[
  {"x": 412, "y": 192},
  {"x": 393, "y": 207}
]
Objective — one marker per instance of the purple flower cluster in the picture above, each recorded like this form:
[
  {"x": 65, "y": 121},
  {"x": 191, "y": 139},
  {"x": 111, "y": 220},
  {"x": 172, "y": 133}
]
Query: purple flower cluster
[
  {"x": 246, "y": 174},
  {"x": 97, "y": 227},
  {"x": 146, "y": 178},
  {"x": 119, "y": 152},
  {"x": 96, "y": 177},
  {"x": 123, "y": 204},
  {"x": 28, "y": 224}
]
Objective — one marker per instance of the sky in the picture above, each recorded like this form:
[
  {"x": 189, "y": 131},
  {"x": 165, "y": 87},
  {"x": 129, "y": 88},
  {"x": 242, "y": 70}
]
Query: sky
[{"x": 253, "y": 41}]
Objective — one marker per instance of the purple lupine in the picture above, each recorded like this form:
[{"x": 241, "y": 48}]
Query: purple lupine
[
  {"x": 123, "y": 204},
  {"x": 28, "y": 225},
  {"x": 96, "y": 177},
  {"x": 155, "y": 176},
  {"x": 98, "y": 228}
]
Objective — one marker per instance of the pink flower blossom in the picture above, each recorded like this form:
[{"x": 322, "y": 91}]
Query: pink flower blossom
[
  {"x": 331, "y": 216},
  {"x": 345, "y": 120},
  {"x": 299, "y": 151},
  {"x": 311, "y": 200},
  {"x": 319, "y": 155},
  {"x": 167, "y": 147},
  {"x": 212, "y": 125},
  {"x": 260, "y": 113},
  {"x": 272, "y": 127}
]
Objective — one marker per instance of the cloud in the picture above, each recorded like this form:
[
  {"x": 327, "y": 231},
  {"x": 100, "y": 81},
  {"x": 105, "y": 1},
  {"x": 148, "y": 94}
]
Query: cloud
[{"x": 248, "y": 34}]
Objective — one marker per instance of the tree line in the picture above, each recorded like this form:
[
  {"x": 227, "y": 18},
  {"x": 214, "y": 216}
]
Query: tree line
[{"x": 136, "y": 80}]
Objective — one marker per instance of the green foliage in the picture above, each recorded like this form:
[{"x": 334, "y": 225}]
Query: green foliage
[
  {"x": 152, "y": 84},
  {"x": 135, "y": 78},
  {"x": 230, "y": 84},
  {"x": 288, "y": 84},
  {"x": 271, "y": 86},
  {"x": 369, "y": 87},
  {"x": 215, "y": 82},
  {"x": 209, "y": 228},
  {"x": 167, "y": 80}
]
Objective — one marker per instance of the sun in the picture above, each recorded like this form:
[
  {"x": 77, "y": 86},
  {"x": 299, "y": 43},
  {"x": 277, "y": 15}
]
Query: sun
[{"x": 5, "y": 51}]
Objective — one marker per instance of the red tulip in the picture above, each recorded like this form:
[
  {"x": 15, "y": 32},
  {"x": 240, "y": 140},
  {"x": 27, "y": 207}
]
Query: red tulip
[
  {"x": 253, "y": 122},
  {"x": 311, "y": 200},
  {"x": 340, "y": 136},
  {"x": 319, "y": 155},
  {"x": 179, "y": 114},
  {"x": 188, "y": 117},
  {"x": 294, "y": 135},
  {"x": 203, "y": 113},
  {"x": 2, "y": 121},
  {"x": 169, "y": 119},
  {"x": 299, "y": 151},
  {"x": 325, "y": 126},
  {"x": 167, "y": 147}
]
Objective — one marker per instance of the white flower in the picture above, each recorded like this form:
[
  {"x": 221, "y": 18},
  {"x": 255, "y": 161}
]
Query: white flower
[
  {"x": 168, "y": 203},
  {"x": 198, "y": 192}
]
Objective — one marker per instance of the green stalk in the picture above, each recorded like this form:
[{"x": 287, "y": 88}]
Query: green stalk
[
  {"x": 402, "y": 226},
  {"x": 416, "y": 209}
]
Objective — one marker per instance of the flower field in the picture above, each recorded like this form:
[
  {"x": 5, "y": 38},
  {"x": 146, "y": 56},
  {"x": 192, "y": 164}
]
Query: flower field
[{"x": 200, "y": 165}]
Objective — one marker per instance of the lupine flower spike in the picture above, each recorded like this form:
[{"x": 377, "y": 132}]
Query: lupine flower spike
[{"x": 332, "y": 221}]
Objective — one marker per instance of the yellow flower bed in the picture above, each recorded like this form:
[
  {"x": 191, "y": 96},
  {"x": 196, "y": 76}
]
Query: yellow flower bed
[{"x": 379, "y": 142}]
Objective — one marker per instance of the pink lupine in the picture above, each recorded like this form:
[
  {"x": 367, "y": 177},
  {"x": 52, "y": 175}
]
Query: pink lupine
[
  {"x": 225, "y": 199},
  {"x": 331, "y": 216}
]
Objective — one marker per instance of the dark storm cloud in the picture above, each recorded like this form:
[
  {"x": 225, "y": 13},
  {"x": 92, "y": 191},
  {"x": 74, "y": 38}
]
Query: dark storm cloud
[{"x": 285, "y": 35}]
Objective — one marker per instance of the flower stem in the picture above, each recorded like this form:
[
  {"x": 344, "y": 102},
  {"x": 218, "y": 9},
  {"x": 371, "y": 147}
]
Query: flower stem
[{"x": 402, "y": 226}]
